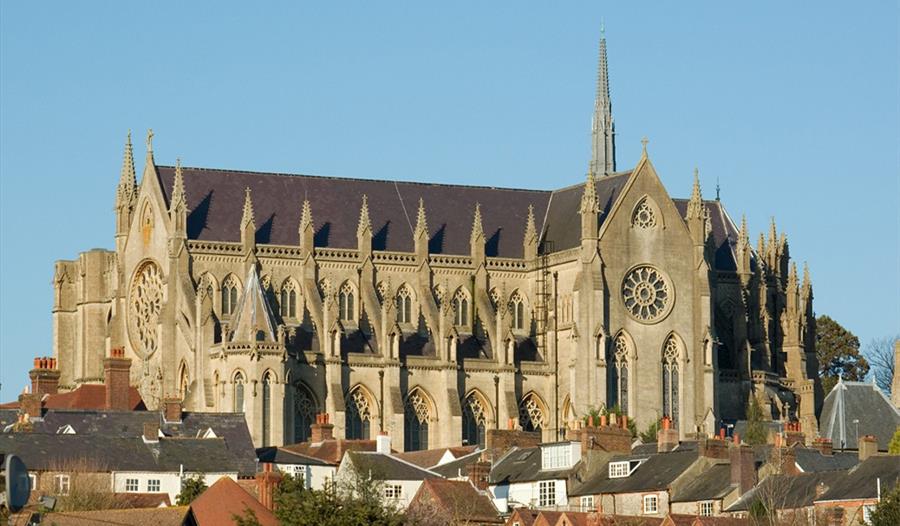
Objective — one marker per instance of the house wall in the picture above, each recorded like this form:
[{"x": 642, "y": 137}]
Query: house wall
[
  {"x": 169, "y": 482},
  {"x": 693, "y": 508},
  {"x": 314, "y": 476},
  {"x": 525, "y": 494},
  {"x": 632, "y": 503}
]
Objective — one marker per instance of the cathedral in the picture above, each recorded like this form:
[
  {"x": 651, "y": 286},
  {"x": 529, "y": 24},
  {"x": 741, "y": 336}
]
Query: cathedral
[{"x": 433, "y": 312}]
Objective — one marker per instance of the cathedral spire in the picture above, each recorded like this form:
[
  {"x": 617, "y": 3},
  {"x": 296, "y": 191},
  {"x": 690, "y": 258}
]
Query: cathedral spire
[
  {"x": 247, "y": 218},
  {"x": 695, "y": 206},
  {"x": 421, "y": 223},
  {"x": 603, "y": 149},
  {"x": 127, "y": 178},
  {"x": 477, "y": 228},
  {"x": 306, "y": 229},
  {"x": 178, "y": 195}
]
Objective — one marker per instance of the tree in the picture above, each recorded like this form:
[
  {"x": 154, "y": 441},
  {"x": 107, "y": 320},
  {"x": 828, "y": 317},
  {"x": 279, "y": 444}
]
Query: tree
[
  {"x": 650, "y": 434},
  {"x": 190, "y": 490},
  {"x": 887, "y": 512},
  {"x": 756, "y": 433},
  {"x": 880, "y": 354},
  {"x": 838, "y": 352},
  {"x": 894, "y": 445}
]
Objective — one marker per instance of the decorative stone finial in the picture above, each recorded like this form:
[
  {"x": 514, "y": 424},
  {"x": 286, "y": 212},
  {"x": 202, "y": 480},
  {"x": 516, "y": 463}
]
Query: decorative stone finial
[
  {"x": 364, "y": 222},
  {"x": 306, "y": 215},
  {"x": 127, "y": 178},
  {"x": 149, "y": 140},
  {"x": 644, "y": 142},
  {"x": 247, "y": 218},
  {"x": 695, "y": 209},
  {"x": 530, "y": 227},
  {"x": 421, "y": 223},
  {"x": 477, "y": 229},
  {"x": 178, "y": 194},
  {"x": 590, "y": 204}
]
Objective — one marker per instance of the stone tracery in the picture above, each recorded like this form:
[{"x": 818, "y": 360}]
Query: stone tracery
[{"x": 144, "y": 306}]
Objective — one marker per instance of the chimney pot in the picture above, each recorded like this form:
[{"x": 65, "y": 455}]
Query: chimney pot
[
  {"x": 321, "y": 430},
  {"x": 604, "y": 420}
]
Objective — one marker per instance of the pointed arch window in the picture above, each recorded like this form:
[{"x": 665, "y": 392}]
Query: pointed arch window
[
  {"x": 474, "y": 421},
  {"x": 670, "y": 378},
  {"x": 238, "y": 406},
  {"x": 517, "y": 309},
  {"x": 345, "y": 303},
  {"x": 619, "y": 374},
  {"x": 531, "y": 414},
  {"x": 267, "y": 382},
  {"x": 229, "y": 295},
  {"x": 288, "y": 300},
  {"x": 460, "y": 308},
  {"x": 404, "y": 306},
  {"x": 416, "y": 419},
  {"x": 358, "y": 416},
  {"x": 644, "y": 216},
  {"x": 304, "y": 413},
  {"x": 183, "y": 382}
]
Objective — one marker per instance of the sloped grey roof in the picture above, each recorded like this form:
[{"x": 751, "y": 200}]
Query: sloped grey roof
[
  {"x": 524, "y": 465},
  {"x": 861, "y": 481},
  {"x": 657, "y": 472},
  {"x": 458, "y": 467},
  {"x": 811, "y": 460},
  {"x": 388, "y": 467},
  {"x": 104, "y": 453},
  {"x": 277, "y": 455},
  {"x": 849, "y": 401},
  {"x": 231, "y": 427},
  {"x": 787, "y": 491},
  {"x": 713, "y": 483}
]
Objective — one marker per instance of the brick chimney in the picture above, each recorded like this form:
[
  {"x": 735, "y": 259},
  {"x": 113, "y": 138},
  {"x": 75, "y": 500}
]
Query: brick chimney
[
  {"x": 714, "y": 448},
  {"x": 322, "y": 430},
  {"x": 44, "y": 376},
  {"x": 666, "y": 437},
  {"x": 151, "y": 431},
  {"x": 614, "y": 438},
  {"x": 868, "y": 446},
  {"x": 499, "y": 441},
  {"x": 478, "y": 473},
  {"x": 172, "y": 410},
  {"x": 789, "y": 461},
  {"x": 117, "y": 370},
  {"x": 824, "y": 446},
  {"x": 793, "y": 434},
  {"x": 31, "y": 404},
  {"x": 743, "y": 465},
  {"x": 266, "y": 482}
]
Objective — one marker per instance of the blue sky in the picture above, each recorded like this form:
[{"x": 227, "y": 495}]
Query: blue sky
[{"x": 792, "y": 107}]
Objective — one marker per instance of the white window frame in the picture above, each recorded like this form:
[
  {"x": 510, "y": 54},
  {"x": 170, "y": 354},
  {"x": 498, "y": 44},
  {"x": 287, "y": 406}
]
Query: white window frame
[
  {"x": 651, "y": 504},
  {"x": 707, "y": 509},
  {"x": 63, "y": 484},
  {"x": 867, "y": 510},
  {"x": 618, "y": 470},
  {"x": 393, "y": 491},
  {"x": 556, "y": 457},
  {"x": 32, "y": 479},
  {"x": 132, "y": 485},
  {"x": 154, "y": 482},
  {"x": 546, "y": 493},
  {"x": 587, "y": 503}
]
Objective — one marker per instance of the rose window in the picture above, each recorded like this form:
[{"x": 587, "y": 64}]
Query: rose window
[
  {"x": 646, "y": 294},
  {"x": 144, "y": 305}
]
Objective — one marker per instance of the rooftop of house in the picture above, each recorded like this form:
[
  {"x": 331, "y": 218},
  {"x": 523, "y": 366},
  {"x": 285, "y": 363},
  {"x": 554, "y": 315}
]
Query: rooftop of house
[
  {"x": 855, "y": 409},
  {"x": 102, "y": 453},
  {"x": 330, "y": 451},
  {"x": 225, "y": 499},
  {"x": 458, "y": 499},
  {"x": 85, "y": 396},
  {"x": 653, "y": 472},
  {"x": 787, "y": 491},
  {"x": 524, "y": 465},
  {"x": 860, "y": 482},
  {"x": 171, "y": 516},
  {"x": 230, "y": 427},
  {"x": 388, "y": 467},
  {"x": 710, "y": 484},
  {"x": 428, "y": 458},
  {"x": 458, "y": 467}
]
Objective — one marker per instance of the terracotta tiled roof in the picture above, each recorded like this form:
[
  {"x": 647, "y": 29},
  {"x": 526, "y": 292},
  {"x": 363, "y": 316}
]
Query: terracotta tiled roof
[
  {"x": 224, "y": 499},
  {"x": 524, "y": 516},
  {"x": 132, "y": 517},
  {"x": 458, "y": 499},
  {"x": 330, "y": 451},
  {"x": 87, "y": 396},
  {"x": 143, "y": 500},
  {"x": 547, "y": 518}
]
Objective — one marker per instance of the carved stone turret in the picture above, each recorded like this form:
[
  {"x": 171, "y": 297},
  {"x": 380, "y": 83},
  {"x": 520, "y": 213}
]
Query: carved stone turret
[
  {"x": 306, "y": 230},
  {"x": 530, "y": 243},
  {"x": 248, "y": 228},
  {"x": 590, "y": 207},
  {"x": 476, "y": 241},
  {"x": 696, "y": 213},
  {"x": 126, "y": 195},
  {"x": 178, "y": 206},
  {"x": 420, "y": 234},
  {"x": 364, "y": 230}
]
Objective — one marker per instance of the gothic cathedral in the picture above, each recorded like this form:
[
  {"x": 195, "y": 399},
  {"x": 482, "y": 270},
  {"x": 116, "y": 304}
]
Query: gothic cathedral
[{"x": 433, "y": 312}]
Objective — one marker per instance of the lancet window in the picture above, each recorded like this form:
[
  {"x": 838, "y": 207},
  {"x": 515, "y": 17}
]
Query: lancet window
[
  {"x": 416, "y": 419},
  {"x": 619, "y": 373},
  {"x": 229, "y": 295},
  {"x": 460, "y": 308},
  {"x": 517, "y": 309},
  {"x": 474, "y": 421},
  {"x": 404, "y": 306},
  {"x": 345, "y": 303},
  {"x": 238, "y": 393},
  {"x": 288, "y": 300},
  {"x": 670, "y": 378},
  {"x": 359, "y": 415},
  {"x": 531, "y": 414},
  {"x": 304, "y": 413}
]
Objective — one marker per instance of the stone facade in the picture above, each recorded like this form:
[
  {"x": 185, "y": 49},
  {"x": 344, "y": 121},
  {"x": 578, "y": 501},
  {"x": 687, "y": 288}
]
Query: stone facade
[{"x": 287, "y": 296}]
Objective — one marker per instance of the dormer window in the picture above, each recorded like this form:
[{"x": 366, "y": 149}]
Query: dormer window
[
  {"x": 559, "y": 456},
  {"x": 622, "y": 469}
]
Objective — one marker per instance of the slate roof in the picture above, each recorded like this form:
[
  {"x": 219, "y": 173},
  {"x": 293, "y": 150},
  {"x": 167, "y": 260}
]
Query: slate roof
[
  {"x": 43, "y": 452},
  {"x": 788, "y": 491},
  {"x": 811, "y": 460},
  {"x": 430, "y": 457},
  {"x": 457, "y": 499},
  {"x": 860, "y": 482},
  {"x": 388, "y": 467},
  {"x": 458, "y": 467},
  {"x": 849, "y": 401},
  {"x": 215, "y": 198},
  {"x": 657, "y": 472},
  {"x": 278, "y": 455},
  {"x": 714, "y": 483},
  {"x": 224, "y": 499},
  {"x": 524, "y": 465}
]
